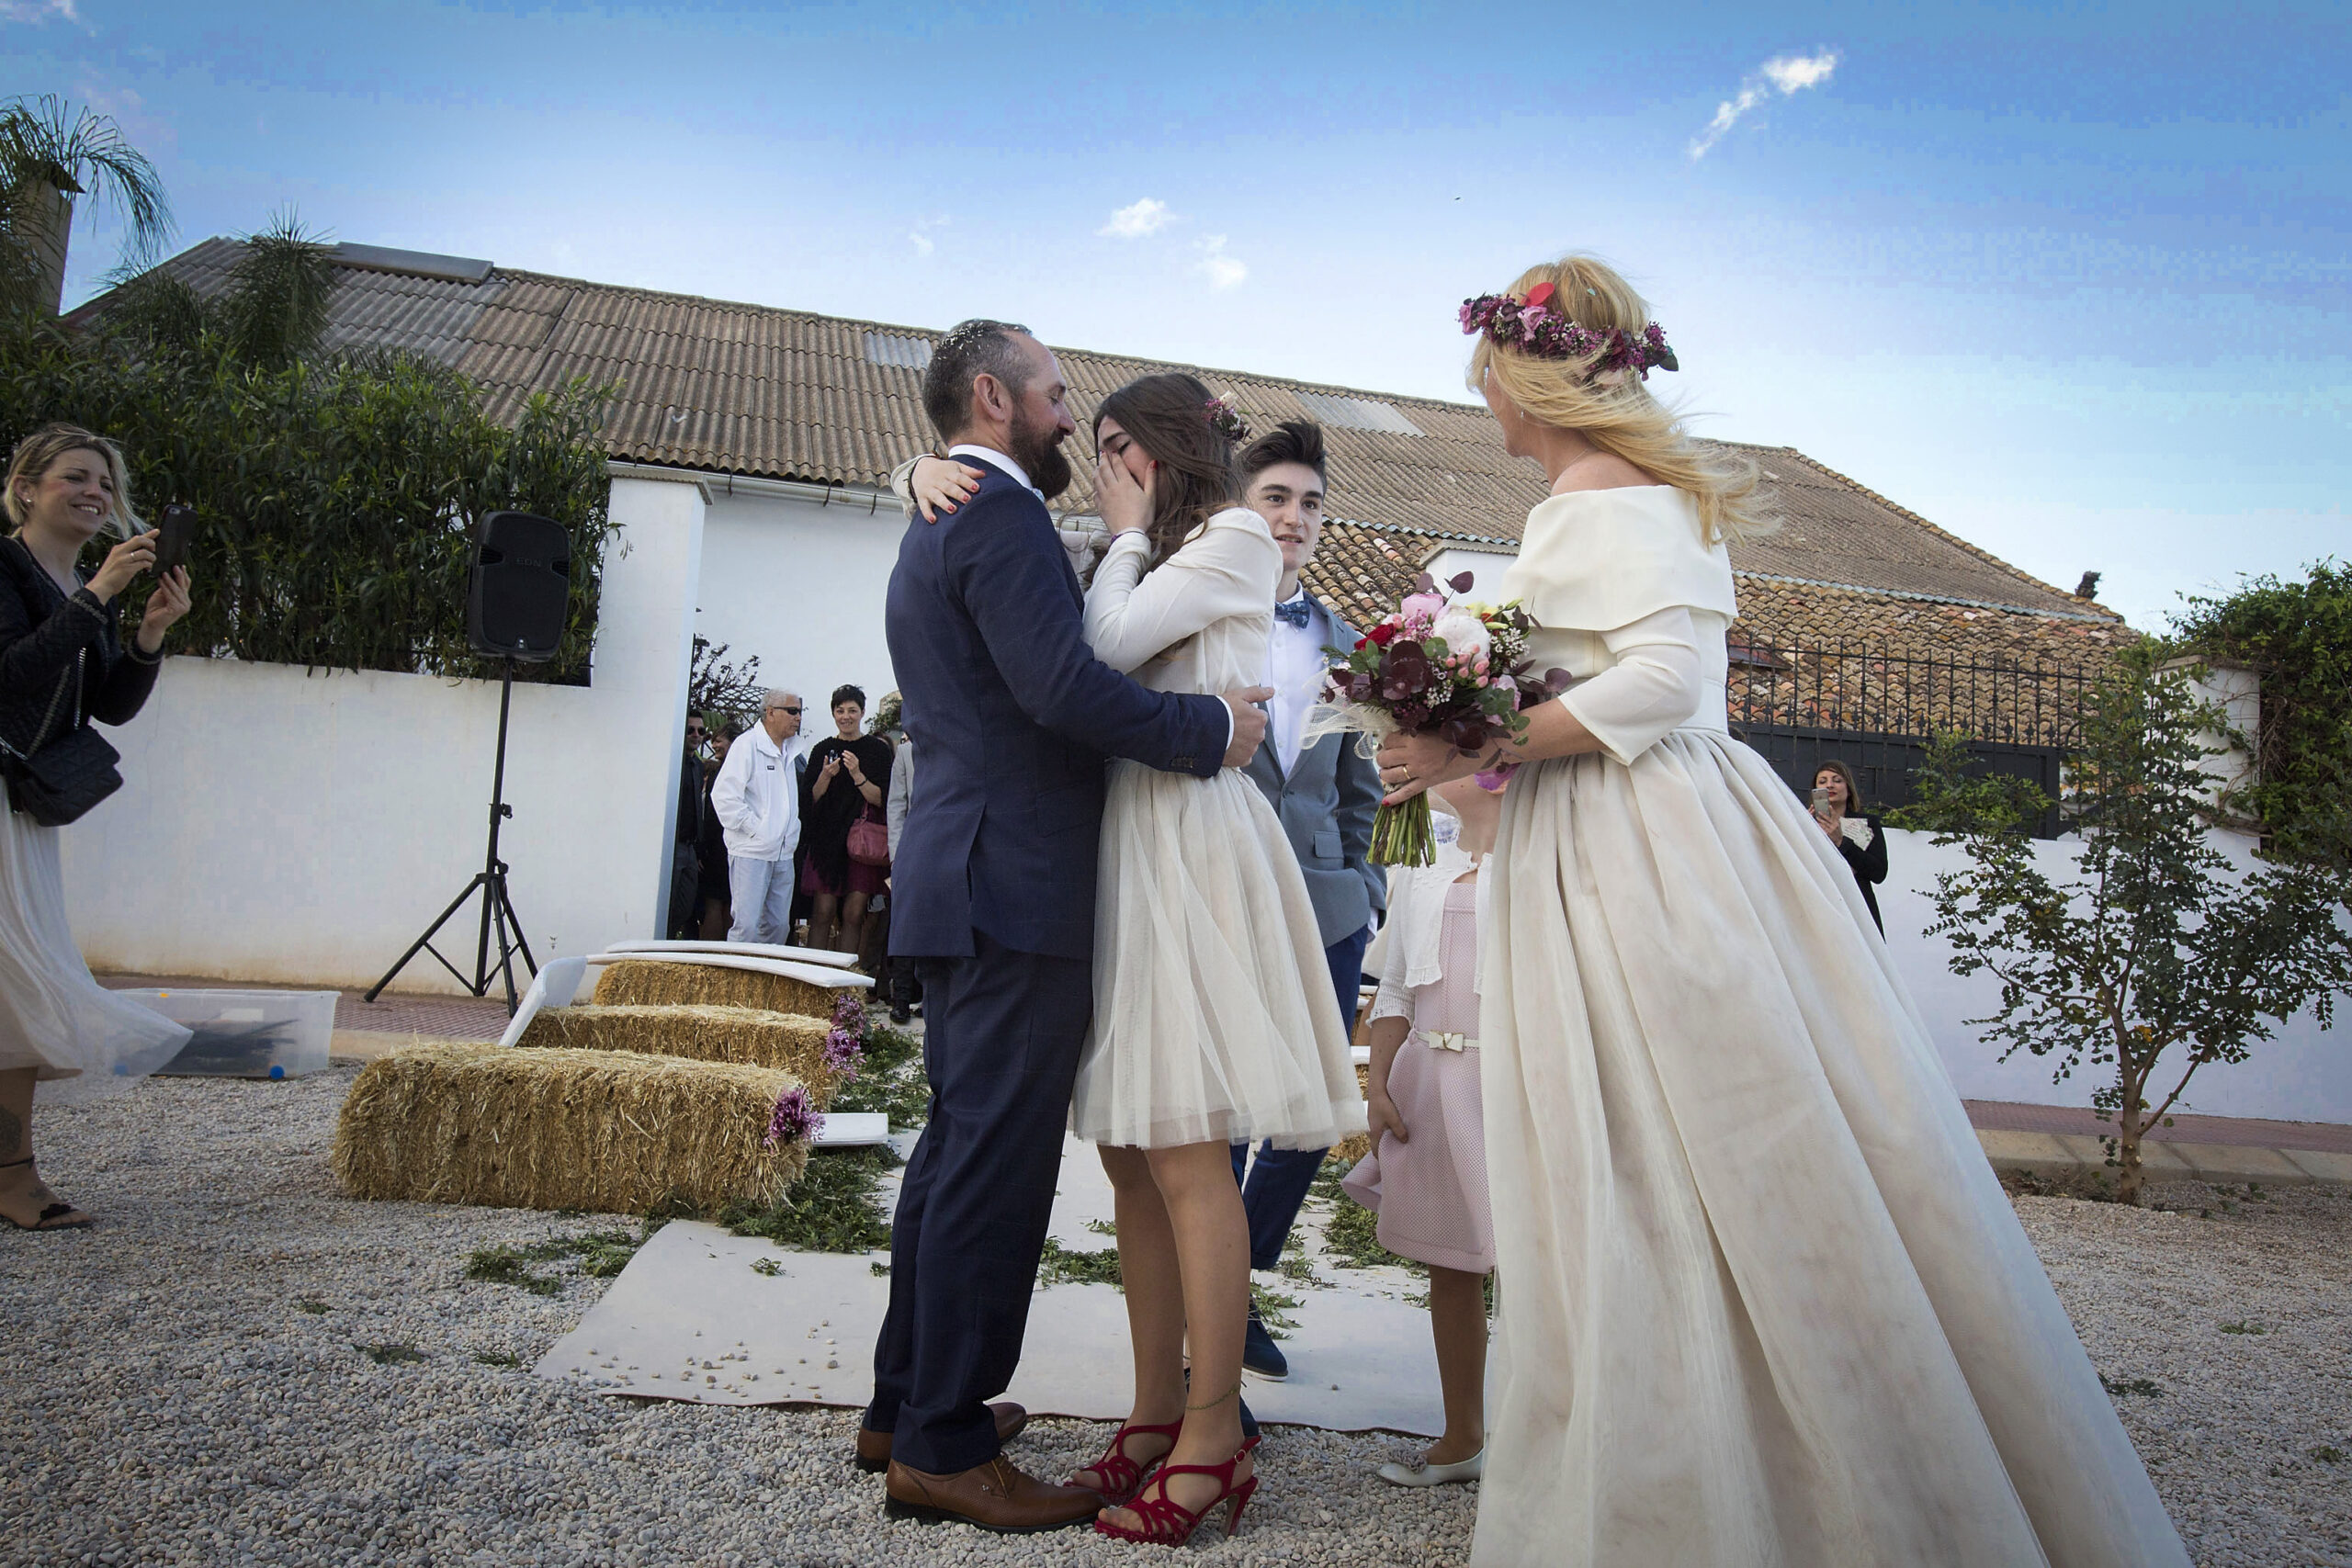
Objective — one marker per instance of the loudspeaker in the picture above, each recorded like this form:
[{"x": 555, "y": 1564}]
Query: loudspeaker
[{"x": 521, "y": 581}]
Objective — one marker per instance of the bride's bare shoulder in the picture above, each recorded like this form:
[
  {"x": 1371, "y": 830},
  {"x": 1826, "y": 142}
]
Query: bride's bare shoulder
[{"x": 1604, "y": 470}]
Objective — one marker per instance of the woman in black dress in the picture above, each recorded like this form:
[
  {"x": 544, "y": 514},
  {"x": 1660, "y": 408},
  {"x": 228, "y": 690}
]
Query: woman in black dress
[
  {"x": 844, "y": 782},
  {"x": 1838, "y": 807}
]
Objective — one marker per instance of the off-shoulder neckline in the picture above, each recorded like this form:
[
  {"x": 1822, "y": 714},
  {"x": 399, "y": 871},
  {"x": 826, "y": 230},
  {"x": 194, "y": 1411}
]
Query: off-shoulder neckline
[{"x": 1614, "y": 489}]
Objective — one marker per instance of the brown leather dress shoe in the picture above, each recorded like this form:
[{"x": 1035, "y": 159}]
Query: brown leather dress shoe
[
  {"x": 874, "y": 1448},
  {"x": 996, "y": 1496}
]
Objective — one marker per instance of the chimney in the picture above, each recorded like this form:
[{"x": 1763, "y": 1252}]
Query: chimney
[{"x": 2088, "y": 587}]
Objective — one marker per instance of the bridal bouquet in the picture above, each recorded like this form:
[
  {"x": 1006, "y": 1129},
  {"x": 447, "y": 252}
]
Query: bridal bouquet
[{"x": 1438, "y": 664}]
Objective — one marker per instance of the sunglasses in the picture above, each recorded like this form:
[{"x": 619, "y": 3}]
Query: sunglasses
[{"x": 794, "y": 712}]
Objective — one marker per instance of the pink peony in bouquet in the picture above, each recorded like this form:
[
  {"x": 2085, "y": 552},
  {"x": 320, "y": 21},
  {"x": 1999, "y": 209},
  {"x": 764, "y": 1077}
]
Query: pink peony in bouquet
[{"x": 1438, "y": 664}]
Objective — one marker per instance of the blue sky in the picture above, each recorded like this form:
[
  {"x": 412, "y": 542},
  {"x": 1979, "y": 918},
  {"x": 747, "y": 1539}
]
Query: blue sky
[{"x": 2073, "y": 281}]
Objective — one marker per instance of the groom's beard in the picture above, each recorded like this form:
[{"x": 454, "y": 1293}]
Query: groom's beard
[{"x": 1039, "y": 449}]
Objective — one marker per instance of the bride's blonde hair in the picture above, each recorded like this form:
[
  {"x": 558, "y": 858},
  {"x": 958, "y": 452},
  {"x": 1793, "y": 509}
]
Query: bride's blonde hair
[{"x": 1615, "y": 410}]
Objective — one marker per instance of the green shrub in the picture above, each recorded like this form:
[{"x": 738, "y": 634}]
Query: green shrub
[{"x": 335, "y": 496}]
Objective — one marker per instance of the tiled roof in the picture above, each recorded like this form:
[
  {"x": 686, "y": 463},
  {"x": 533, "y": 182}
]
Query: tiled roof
[{"x": 740, "y": 388}]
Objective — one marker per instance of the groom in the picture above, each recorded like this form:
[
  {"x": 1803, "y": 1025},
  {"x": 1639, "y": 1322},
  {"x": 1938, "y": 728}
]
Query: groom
[{"x": 993, "y": 898}]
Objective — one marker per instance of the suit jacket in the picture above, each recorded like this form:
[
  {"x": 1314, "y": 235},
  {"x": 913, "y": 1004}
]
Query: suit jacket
[
  {"x": 1015, "y": 716},
  {"x": 1325, "y": 805}
]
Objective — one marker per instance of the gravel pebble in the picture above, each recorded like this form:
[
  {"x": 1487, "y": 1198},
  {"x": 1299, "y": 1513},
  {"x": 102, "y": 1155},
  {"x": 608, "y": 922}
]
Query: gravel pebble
[{"x": 165, "y": 1397}]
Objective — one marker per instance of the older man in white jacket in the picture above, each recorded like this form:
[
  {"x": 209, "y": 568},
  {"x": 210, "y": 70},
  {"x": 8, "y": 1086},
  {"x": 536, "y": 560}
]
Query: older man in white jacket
[{"x": 757, "y": 798}]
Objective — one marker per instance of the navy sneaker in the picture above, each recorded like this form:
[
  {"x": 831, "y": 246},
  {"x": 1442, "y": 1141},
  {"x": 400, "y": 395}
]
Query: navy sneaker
[{"x": 1259, "y": 1352}]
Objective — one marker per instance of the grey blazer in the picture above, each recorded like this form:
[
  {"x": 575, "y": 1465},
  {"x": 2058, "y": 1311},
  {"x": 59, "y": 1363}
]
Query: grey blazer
[{"x": 1326, "y": 805}]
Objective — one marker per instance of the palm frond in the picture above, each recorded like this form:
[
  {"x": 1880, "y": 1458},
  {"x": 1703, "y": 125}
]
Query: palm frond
[
  {"x": 275, "y": 309},
  {"x": 45, "y": 141}
]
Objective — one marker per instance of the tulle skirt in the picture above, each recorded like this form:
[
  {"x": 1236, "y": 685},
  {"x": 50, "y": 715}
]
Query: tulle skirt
[
  {"x": 1763, "y": 1304},
  {"x": 1214, "y": 1017},
  {"x": 81, "y": 1039}
]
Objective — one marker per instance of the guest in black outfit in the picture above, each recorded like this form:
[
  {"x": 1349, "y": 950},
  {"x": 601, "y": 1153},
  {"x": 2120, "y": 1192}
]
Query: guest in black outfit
[
  {"x": 718, "y": 903},
  {"x": 1856, "y": 832},
  {"x": 686, "y": 868},
  {"x": 844, "y": 782},
  {"x": 62, "y": 663}
]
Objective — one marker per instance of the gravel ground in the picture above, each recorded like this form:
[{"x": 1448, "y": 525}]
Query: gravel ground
[{"x": 170, "y": 1392}]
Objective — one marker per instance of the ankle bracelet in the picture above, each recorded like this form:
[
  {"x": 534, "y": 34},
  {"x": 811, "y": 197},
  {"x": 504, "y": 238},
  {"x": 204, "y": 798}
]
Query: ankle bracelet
[{"x": 1220, "y": 1399}]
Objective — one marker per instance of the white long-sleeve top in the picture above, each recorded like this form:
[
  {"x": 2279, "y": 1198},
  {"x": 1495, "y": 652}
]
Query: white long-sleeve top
[
  {"x": 1198, "y": 622},
  {"x": 757, "y": 796},
  {"x": 1633, "y": 605}
]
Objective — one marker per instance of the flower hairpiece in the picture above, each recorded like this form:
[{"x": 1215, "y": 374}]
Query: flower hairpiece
[
  {"x": 1535, "y": 325},
  {"x": 1225, "y": 420}
]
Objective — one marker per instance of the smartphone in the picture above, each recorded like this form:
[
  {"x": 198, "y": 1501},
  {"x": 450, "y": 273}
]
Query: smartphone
[
  {"x": 1820, "y": 795},
  {"x": 176, "y": 531}
]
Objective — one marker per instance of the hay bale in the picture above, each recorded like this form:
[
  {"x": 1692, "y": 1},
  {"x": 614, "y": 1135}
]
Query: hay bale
[
  {"x": 613, "y": 1131},
  {"x": 752, "y": 1036},
  {"x": 635, "y": 982}
]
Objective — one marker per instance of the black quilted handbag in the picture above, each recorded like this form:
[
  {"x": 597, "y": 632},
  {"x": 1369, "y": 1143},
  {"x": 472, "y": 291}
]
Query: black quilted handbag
[{"x": 64, "y": 772}]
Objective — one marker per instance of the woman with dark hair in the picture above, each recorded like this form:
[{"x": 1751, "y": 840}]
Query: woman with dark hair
[
  {"x": 1838, "y": 807},
  {"x": 64, "y": 661},
  {"x": 717, "y": 909},
  {"x": 1214, "y": 1022},
  {"x": 844, "y": 783}
]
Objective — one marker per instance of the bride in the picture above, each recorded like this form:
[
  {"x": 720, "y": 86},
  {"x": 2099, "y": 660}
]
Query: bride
[{"x": 1761, "y": 1300}]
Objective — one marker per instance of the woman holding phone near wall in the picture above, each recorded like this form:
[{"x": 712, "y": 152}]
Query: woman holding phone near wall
[{"x": 64, "y": 661}]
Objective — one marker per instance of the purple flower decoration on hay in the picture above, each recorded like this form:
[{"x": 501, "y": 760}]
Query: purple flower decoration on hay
[
  {"x": 844, "y": 1052},
  {"x": 795, "y": 1120}
]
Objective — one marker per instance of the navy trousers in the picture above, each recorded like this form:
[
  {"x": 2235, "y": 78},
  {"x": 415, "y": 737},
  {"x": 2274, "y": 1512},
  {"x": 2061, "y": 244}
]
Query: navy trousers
[
  {"x": 1279, "y": 1178},
  {"x": 1001, "y": 1036}
]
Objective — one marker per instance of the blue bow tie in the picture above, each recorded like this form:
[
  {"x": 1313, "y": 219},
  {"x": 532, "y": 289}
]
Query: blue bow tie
[{"x": 1295, "y": 612}]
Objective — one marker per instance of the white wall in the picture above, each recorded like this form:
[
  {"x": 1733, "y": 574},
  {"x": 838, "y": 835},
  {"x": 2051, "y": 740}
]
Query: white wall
[
  {"x": 290, "y": 827},
  {"x": 801, "y": 586},
  {"x": 1486, "y": 565},
  {"x": 2300, "y": 1074}
]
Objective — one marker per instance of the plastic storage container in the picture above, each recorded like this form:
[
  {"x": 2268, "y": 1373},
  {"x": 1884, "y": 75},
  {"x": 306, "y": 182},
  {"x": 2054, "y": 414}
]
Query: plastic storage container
[{"x": 247, "y": 1034}]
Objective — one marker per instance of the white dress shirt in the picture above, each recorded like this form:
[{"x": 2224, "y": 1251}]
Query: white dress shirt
[
  {"x": 757, "y": 796},
  {"x": 1294, "y": 668}
]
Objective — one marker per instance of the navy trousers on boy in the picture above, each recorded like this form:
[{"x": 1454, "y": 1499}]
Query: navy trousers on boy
[{"x": 1001, "y": 1037}]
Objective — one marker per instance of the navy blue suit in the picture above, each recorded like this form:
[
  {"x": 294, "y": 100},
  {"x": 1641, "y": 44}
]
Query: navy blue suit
[{"x": 992, "y": 895}]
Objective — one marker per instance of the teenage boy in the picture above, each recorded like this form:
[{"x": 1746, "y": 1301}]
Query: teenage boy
[{"x": 1325, "y": 795}]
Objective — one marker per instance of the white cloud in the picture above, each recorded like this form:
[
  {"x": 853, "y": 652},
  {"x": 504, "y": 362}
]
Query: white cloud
[
  {"x": 1143, "y": 217},
  {"x": 921, "y": 240},
  {"x": 38, "y": 11},
  {"x": 1783, "y": 74},
  {"x": 1223, "y": 271}
]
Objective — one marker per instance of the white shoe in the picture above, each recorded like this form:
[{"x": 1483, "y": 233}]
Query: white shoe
[{"x": 1470, "y": 1469}]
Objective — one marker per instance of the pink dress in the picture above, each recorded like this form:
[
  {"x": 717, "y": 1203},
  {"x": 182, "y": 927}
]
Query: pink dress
[{"x": 1430, "y": 1192}]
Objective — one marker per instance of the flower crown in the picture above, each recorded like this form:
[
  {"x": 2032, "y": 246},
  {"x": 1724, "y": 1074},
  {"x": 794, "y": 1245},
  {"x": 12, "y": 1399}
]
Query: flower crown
[
  {"x": 1533, "y": 325},
  {"x": 1225, "y": 420}
]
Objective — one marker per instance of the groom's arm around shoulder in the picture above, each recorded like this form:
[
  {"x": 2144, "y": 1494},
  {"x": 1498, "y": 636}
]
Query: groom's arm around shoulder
[
  {"x": 1357, "y": 778},
  {"x": 1014, "y": 580}
]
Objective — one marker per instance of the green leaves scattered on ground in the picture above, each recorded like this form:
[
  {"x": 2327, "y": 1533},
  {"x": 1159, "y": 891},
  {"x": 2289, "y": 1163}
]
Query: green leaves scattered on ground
[
  {"x": 1273, "y": 1310},
  {"x": 836, "y": 1206},
  {"x": 391, "y": 1355},
  {"x": 2117, "y": 1387},
  {"x": 600, "y": 1254},
  {"x": 2243, "y": 1325},
  {"x": 1067, "y": 1266},
  {"x": 889, "y": 1079}
]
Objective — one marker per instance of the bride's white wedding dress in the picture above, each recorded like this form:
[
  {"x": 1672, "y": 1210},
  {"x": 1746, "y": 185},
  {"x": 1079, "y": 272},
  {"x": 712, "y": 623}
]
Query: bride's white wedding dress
[
  {"x": 1214, "y": 1018},
  {"x": 1763, "y": 1304}
]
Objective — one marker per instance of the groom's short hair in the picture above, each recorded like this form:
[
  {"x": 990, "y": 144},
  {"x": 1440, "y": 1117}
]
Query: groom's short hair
[{"x": 970, "y": 349}]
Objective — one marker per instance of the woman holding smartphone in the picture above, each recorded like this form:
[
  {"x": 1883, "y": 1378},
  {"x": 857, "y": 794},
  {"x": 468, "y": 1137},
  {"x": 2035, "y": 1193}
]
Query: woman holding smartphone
[
  {"x": 64, "y": 661},
  {"x": 1838, "y": 807}
]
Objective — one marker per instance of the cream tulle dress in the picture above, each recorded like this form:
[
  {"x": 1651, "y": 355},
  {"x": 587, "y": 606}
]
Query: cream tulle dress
[
  {"x": 1214, "y": 1018},
  {"x": 1763, "y": 1304}
]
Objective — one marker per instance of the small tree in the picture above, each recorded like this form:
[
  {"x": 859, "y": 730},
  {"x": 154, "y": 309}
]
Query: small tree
[
  {"x": 715, "y": 686},
  {"x": 2157, "y": 944}
]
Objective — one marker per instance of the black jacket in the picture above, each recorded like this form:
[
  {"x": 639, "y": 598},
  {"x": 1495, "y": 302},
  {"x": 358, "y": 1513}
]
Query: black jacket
[
  {"x": 1870, "y": 865},
  {"x": 41, "y": 630}
]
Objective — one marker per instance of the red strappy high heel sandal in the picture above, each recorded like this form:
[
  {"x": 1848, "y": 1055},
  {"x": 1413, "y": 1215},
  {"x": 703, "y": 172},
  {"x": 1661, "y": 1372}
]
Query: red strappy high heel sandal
[
  {"x": 1123, "y": 1477},
  {"x": 1167, "y": 1523}
]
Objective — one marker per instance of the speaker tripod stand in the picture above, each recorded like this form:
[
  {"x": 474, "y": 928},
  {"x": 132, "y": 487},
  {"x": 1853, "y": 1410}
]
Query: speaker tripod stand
[{"x": 498, "y": 917}]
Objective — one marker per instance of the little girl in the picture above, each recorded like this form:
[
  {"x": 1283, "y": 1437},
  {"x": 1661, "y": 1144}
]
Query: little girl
[{"x": 1426, "y": 1175}]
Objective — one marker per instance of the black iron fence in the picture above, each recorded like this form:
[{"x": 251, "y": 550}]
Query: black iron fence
[{"x": 1877, "y": 711}]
